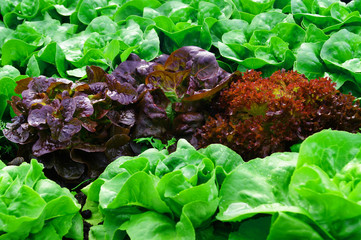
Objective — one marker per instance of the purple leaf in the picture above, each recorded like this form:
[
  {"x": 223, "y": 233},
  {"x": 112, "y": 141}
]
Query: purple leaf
[
  {"x": 38, "y": 117},
  {"x": 66, "y": 168},
  {"x": 59, "y": 87},
  {"x": 68, "y": 107},
  {"x": 31, "y": 98},
  {"x": 187, "y": 123},
  {"x": 118, "y": 146},
  {"x": 41, "y": 84},
  {"x": 134, "y": 70},
  {"x": 152, "y": 119},
  {"x": 96, "y": 162},
  {"x": 18, "y": 130},
  {"x": 124, "y": 119},
  {"x": 45, "y": 144},
  {"x": 69, "y": 130},
  {"x": 84, "y": 108},
  {"x": 95, "y": 74},
  {"x": 124, "y": 93}
]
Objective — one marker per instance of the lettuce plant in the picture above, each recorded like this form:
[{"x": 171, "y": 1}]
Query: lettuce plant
[
  {"x": 178, "y": 99},
  {"x": 34, "y": 207},
  {"x": 77, "y": 128},
  {"x": 157, "y": 195},
  {"x": 313, "y": 194},
  {"x": 67, "y": 124},
  {"x": 258, "y": 116}
]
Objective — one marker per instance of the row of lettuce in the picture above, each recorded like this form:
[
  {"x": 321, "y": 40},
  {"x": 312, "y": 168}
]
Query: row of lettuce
[
  {"x": 77, "y": 128},
  {"x": 61, "y": 38},
  {"x": 210, "y": 193}
]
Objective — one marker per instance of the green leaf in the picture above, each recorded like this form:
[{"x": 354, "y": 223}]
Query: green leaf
[
  {"x": 191, "y": 35},
  {"x": 29, "y": 8},
  {"x": 149, "y": 47},
  {"x": 87, "y": 10},
  {"x": 131, "y": 34},
  {"x": 33, "y": 68},
  {"x": 258, "y": 186},
  {"x": 76, "y": 230},
  {"x": 150, "y": 225},
  {"x": 28, "y": 199},
  {"x": 222, "y": 156},
  {"x": 3, "y": 104},
  {"x": 53, "y": 54},
  {"x": 8, "y": 71},
  {"x": 256, "y": 7},
  {"x": 313, "y": 150},
  {"x": 208, "y": 9},
  {"x": 102, "y": 25},
  {"x": 125, "y": 54},
  {"x": 291, "y": 33},
  {"x": 134, "y": 7},
  {"x": 47, "y": 233},
  {"x": 4, "y": 33},
  {"x": 112, "y": 50},
  {"x": 65, "y": 11},
  {"x": 145, "y": 196},
  {"x": 253, "y": 228},
  {"x": 77, "y": 72},
  {"x": 308, "y": 60},
  {"x": 7, "y": 86},
  {"x": 16, "y": 51},
  {"x": 266, "y": 21},
  {"x": 223, "y": 26},
  {"x": 27, "y": 203},
  {"x": 288, "y": 227},
  {"x": 177, "y": 11},
  {"x": 320, "y": 185},
  {"x": 314, "y": 34}
]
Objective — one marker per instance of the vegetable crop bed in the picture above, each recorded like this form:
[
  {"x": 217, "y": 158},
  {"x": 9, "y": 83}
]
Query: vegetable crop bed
[
  {"x": 186, "y": 119},
  {"x": 204, "y": 194}
]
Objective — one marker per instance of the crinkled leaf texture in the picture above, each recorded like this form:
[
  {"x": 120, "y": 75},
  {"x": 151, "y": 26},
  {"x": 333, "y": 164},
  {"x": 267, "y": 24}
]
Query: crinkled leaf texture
[
  {"x": 34, "y": 207},
  {"x": 314, "y": 193},
  {"x": 258, "y": 116},
  {"x": 157, "y": 195}
]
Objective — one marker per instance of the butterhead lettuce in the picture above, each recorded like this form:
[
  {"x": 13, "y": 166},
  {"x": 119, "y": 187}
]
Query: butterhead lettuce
[{"x": 34, "y": 207}]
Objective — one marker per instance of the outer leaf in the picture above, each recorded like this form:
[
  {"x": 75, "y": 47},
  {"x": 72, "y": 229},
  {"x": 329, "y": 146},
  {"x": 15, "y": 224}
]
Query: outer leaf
[
  {"x": 337, "y": 155},
  {"x": 16, "y": 51},
  {"x": 250, "y": 189},
  {"x": 253, "y": 228},
  {"x": 342, "y": 52},
  {"x": 146, "y": 196},
  {"x": 308, "y": 60},
  {"x": 150, "y": 225},
  {"x": 222, "y": 156},
  {"x": 256, "y": 7},
  {"x": 87, "y": 10},
  {"x": 288, "y": 227},
  {"x": 8, "y": 71},
  {"x": 134, "y": 7},
  {"x": 149, "y": 47}
]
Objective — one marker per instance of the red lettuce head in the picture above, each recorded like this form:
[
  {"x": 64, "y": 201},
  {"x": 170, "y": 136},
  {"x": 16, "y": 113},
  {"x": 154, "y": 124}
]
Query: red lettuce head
[{"x": 258, "y": 116}]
